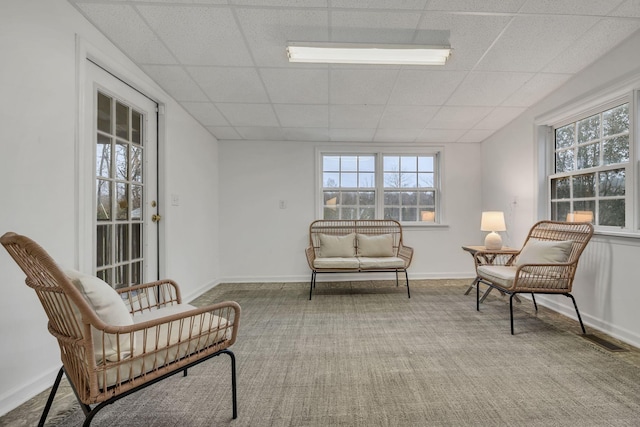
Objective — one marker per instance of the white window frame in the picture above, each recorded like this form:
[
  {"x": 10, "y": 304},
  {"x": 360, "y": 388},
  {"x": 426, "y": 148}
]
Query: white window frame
[
  {"x": 624, "y": 92},
  {"x": 378, "y": 152}
]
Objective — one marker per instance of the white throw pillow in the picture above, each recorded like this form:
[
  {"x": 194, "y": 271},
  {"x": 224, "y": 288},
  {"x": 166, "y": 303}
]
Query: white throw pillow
[
  {"x": 375, "y": 246},
  {"x": 545, "y": 252},
  {"x": 337, "y": 246},
  {"x": 110, "y": 308}
]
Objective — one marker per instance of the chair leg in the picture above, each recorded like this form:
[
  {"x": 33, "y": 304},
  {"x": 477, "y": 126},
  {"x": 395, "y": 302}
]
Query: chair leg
[
  {"x": 477, "y": 295},
  {"x": 533, "y": 297},
  {"x": 233, "y": 383},
  {"x": 397, "y": 283},
  {"x": 406, "y": 276},
  {"x": 52, "y": 395},
  {"x": 584, "y": 331},
  {"x": 511, "y": 311},
  {"x": 312, "y": 284}
]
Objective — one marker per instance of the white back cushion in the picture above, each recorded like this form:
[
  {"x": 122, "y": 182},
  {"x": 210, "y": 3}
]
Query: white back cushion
[
  {"x": 337, "y": 246},
  {"x": 375, "y": 246},
  {"x": 110, "y": 308},
  {"x": 545, "y": 252}
]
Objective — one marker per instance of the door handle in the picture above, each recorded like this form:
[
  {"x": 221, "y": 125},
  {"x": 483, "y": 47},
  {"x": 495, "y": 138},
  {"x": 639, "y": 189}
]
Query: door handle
[{"x": 156, "y": 217}]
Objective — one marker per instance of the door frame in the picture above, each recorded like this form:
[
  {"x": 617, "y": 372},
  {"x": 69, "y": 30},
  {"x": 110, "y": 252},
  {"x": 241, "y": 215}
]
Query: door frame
[{"x": 121, "y": 67}]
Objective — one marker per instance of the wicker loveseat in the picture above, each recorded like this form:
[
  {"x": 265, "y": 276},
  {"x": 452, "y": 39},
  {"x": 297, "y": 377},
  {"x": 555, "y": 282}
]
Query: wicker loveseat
[
  {"x": 113, "y": 343},
  {"x": 355, "y": 246}
]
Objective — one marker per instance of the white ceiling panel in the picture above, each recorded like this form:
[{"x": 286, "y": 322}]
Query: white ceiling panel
[
  {"x": 176, "y": 81},
  {"x": 415, "y": 87},
  {"x": 296, "y": 86},
  {"x": 361, "y": 86},
  {"x": 407, "y": 116},
  {"x": 230, "y": 84},
  {"x": 199, "y": 35},
  {"x": 487, "y": 88},
  {"x": 261, "y": 115},
  {"x": 225, "y": 62},
  {"x": 297, "y": 115},
  {"x": 122, "y": 24}
]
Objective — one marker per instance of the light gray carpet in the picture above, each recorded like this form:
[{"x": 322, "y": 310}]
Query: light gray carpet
[{"x": 363, "y": 354}]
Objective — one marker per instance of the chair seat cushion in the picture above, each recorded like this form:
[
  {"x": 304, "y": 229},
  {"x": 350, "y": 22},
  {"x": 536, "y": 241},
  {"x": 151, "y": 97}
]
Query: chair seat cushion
[
  {"x": 336, "y": 263},
  {"x": 501, "y": 275},
  {"x": 373, "y": 263}
]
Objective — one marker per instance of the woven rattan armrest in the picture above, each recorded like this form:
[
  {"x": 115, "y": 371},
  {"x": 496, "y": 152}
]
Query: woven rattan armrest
[
  {"x": 406, "y": 253},
  {"x": 311, "y": 255},
  {"x": 151, "y": 295}
]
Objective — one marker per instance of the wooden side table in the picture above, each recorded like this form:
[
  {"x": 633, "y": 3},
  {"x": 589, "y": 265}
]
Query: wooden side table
[{"x": 489, "y": 259}]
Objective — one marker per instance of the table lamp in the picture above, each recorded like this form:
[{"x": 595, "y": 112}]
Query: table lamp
[{"x": 493, "y": 221}]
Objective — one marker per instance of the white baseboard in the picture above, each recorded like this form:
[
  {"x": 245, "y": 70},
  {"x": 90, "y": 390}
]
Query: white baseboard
[
  {"x": 337, "y": 277},
  {"x": 16, "y": 397}
]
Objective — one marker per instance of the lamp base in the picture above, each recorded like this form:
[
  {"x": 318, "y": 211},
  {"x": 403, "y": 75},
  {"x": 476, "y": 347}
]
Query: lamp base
[{"x": 493, "y": 241}]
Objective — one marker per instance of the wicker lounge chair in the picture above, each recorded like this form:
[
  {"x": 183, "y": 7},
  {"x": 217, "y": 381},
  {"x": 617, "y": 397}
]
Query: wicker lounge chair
[
  {"x": 546, "y": 264},
  {"x": 113, "y": 343}
]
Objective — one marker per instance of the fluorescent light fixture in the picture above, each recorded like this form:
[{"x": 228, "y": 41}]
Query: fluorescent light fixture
[{"x": 358, "y": 53}]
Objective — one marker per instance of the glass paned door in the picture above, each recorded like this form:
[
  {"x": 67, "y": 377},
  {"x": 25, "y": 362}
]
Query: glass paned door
[{"x": 125, "y": 163}]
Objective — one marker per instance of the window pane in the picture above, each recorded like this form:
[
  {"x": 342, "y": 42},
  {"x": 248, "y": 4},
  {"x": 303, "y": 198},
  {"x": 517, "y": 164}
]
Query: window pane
[
  {"x": 611, "y": 212},
  {"x": 136, "y": 202},
  {"x": 616, "y": 120},
  {"x": 122, "y": 200},
  {"x": 367, "y": 180},
  {"x": 136, "y": 273},
  {"x": 367, "y": 213},
  {"x": 392, "y": 213},
  {"x": 391, "y": 163},
  {"x": 427, "y": 198},
  {"x": 104, "y": 113},
  {"x": 425, "y": 180},
  {"x": 103, "y": 245},
  {"x": 564, "y": 161},
  {"x": 122, "y": 161},
  {"x": 367, "y": 198},
  {"x": 588, "y": 156},
  {"x": 330, "y": 180},
  {"x": 408, "y": 164},
  {"x": 565, "y": 136},
  {"x": 409, "y": 180},
  {"x": 103, "y": 156},
  {"x": 136, "y": 164},
  {"x": 349, "y": 213},
  {"x": 409, "y": 214},
  {"x": 425, "y": 164},
  {"x": 349, "y": 163},
  {"x": 560, "y": 188},
  {"x": 348, "y": 179},
  {"x": 331, "y": 198},
  {"x": 105, "y": 275},
  {"x": 136, "y": 241},
  {"x": 392, "y": 180},
  {"x": 616, "y": 150},
  {"x": 559, "y": 210},
  {"x": 391, "y": 198},
  {"x": 367, "y": 163},
  {"x": 136, "y": 127},
  {"x": 612, "y": 183},
  {"x": 122, "y": 121},
  {"x": 349, "y": 198},
  {"x": 589, "y": 129},
  {"x": 331, "y": 213},
  {"x": 121, "y": 279},
  {"x": 330, "y": 163},
  {"x": 122, "y": 242},
  {"x": 103, "y": 199},
  {"x": 409, "y": 198},
  {"x": 584, "y": 186},
  {"x": 584, "y": 206}
]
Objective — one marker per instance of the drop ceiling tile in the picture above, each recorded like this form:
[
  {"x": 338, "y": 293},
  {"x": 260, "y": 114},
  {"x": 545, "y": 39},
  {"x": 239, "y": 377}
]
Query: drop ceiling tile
[
  {"x": 535, "y": 89},
  {"x": 563, "y": 7},
  {"x": 629, "y": 8},
  {"x": 602, "y": 37},
  {"x": 505, "y": 6},
  {"x": 199, "y": 35},
  {"x": 258, "y": 115},
  {"x": 396, "y": 135},
  {"x": 230, "y": 84},
  {"x": 406, "y": 117},
  {"x": 476, "y": 135},
  {"x": 487, "y": 88},
  {"x": 354, "y": 116},
  {"x": 124, "y": 27},
  {"x": 379, "y": 4},
  {"x": 267, "y": 32},
  {"x": 458, "y": 117},
  {"x": 416, "y": 87},
  {"x": 499, "y": 117},
  {"x": 440, "y": 135},
  {"x": 296, "y": 86},
  {"x": 224, "y": 132},
  {"x": 532, "y": 41},
  {"x": 281, "y": 3},
  {"x": 175, "y": 80},
  {"x": 468, "y": 35},
  {"x": 374, "y": 26},
  {"x": 361, "y": 86},
  {"x": 306, "y": 134},
  {"x": 206, "y": 113},
  {"x": 183, "y": 1},
  {"x": 261, "y": 133},
  {"x": 352, "y": 135},
  {"x": 298, "y": 115}
]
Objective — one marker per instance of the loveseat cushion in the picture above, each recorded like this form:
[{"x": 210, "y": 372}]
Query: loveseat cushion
[
  {"x": 337, "y": 246},
  {"x": 110, "y": 308},
  {"x": 372, "y": 263},
  {"x": 375, "y": 246},
  {"x": 336, "y": 263}
]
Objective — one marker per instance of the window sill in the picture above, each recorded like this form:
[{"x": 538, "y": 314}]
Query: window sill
[
  {"x": 617, "y": 234},
  {"x": 422, "y": 225}
]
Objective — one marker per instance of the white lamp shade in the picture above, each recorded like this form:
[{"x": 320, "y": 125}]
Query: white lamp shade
[{"x": 492, "y": 221}]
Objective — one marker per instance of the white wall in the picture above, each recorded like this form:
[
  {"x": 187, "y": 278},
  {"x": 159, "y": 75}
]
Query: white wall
[
  {"x": 606, "y": 286},
  {"x": 262, "y": 242},
  {"x": 37, "y": 172}
]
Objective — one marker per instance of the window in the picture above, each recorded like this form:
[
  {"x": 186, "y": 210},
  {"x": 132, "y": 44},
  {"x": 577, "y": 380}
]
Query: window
[
  {"x": 402, "y": 187},
  {"x": 591, "y": 168}
]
